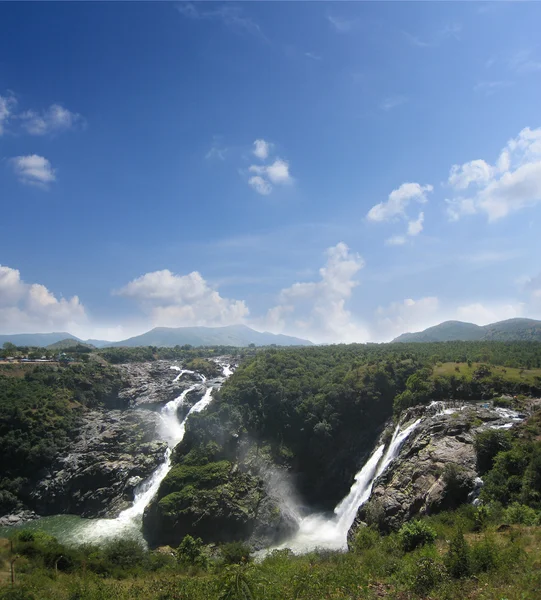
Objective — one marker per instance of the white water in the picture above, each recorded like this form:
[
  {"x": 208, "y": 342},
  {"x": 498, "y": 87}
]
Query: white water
[
  {"x": 320, "y": 531},
  {"x": 128, "y": 522}
]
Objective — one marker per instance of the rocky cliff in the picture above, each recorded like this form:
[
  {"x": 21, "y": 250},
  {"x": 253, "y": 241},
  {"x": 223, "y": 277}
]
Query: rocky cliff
[{"x": 436, "y": 468}]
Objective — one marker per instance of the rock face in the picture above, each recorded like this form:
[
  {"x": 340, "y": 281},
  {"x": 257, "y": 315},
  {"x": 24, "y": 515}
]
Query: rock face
[
  {"x": 113, "y": 452},
  {"x": 436, "y": 468},
  {"x": 153, "y": 384},
  {"x": 220, "y": 501}
]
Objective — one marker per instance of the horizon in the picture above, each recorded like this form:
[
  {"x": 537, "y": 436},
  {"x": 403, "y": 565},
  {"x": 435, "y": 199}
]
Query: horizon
[{"x": 334, "y": 172}]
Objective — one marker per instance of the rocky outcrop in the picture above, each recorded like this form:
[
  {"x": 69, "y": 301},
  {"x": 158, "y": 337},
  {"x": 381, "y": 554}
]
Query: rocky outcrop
[
  {"x": 436, "y": 468},
  {"x": 112, "y": 453},
  {"x": 153, "y": 384},
  {"x": 220, "y": 501}
]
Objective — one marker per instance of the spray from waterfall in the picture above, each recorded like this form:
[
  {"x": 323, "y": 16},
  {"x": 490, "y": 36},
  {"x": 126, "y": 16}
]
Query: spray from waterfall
[
  {"x": 172, "y": 431},
  {"x": 320, "y": 531}
]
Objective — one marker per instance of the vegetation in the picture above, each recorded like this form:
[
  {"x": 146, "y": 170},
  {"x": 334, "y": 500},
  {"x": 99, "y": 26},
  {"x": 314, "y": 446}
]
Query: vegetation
[{"x": 39, "y": 409}]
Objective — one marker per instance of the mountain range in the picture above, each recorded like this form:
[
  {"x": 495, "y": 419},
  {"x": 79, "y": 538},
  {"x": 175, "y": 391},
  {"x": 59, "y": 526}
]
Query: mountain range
[
  {"x": 503, "y": 331},
  {"x": 232, "y": 335}
]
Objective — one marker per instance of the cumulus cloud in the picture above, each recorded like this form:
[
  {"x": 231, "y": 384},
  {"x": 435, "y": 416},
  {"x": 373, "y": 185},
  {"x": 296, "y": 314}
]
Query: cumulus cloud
[
  {"x": 262, "y": 149},
  {"x": 7, "y": 104},
  {"x": 511, "y": 184},
  {"x": 33, "y": 170},
  {"x": 415, "y": 226},
  {"x": 26, "y": 307},
  {"x": 260, "y": 185},
  {"x": 411, "y": 315},
  {"x": 265, "y": 177},
  {"x": 317, "y": 309},
  {"x": 398, "y": 201},
  {"x": 407, "y": 315},
  {"x": 181, "y": 300},
  {"x": 396, "y": 240},
  {"x": 55, "y": 119}
]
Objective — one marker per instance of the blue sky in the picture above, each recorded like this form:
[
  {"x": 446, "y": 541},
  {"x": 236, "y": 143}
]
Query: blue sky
[{"x": 338, "y": 171}]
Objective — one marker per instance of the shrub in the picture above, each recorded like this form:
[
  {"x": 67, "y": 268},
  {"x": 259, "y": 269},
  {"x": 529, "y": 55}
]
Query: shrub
[
  {"x": 457, "y": 559},
  {"x": 365, "y": 538},
  {"x": 415, "y": 534},
  {"x": 520, "y": 514},
  {"x": 235, "y": 553},
  {"x": 488, "y": 444},
  {"x": 429, "y": 573},
  {"x": 484, "y": 555},
  {"x": 124, "y": 553},
  {"x": 190, "y": 551}
]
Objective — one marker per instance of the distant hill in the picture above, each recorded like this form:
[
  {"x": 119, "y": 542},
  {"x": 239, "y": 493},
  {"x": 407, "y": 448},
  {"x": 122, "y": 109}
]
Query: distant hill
[
  {"x": 36, "y": 339},
  {"x": 504, "y": 331},
  {"x": 232, "y": 335},
  {"x": 68, "y": 343}
]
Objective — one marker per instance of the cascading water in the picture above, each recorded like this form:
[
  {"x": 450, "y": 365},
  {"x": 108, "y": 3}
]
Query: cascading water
[
  {"x": 128, "y": 522},
  {"x": 320, "y": 531}
]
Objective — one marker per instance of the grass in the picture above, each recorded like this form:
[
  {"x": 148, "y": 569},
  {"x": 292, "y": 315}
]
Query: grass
[
  {"x": 504, "y": 564},
  {"x": 463, "y": 369}
]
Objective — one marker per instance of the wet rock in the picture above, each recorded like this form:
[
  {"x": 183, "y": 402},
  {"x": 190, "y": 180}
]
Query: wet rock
[
  {"x": 153, "y": 384},
  {"x": 18, "y": 518},
  {"x": 436, "y": 468},
  {"x": 113, "y": 452}
]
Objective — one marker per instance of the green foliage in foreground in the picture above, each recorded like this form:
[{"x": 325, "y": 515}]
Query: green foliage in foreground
[{"x": 460, "y": 563}]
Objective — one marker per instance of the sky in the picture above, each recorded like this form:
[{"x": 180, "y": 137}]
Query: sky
[{"x": 343, "y": 172}]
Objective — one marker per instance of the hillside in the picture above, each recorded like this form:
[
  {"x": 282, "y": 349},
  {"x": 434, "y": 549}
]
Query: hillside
[
  {"x": 503, "y": 331},
  {"x": 36, "y": 339},
  {"x": 68, "y": 343},
  {"x": 233, "y": 335}
]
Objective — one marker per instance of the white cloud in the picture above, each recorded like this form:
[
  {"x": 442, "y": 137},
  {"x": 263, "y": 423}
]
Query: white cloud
[
  {"x": 341, "y": 24},
  {"x": 33, "y": 170},
  {"x": 232, "y": 16},
  {"x": 260, "y": 185},
  {"x": 217, "y": 150},
  {"x": 416, "y": 315},
  {"x": 32, "y": 308},
  {"x": 491, "y": 87},
  {"x": 416, "y": 226},
  {"x": 180, "y": 300},
  {"x": 398, "y": 201},
  {"x": 312, "y": 56},
  {"x": 523, "y": 62},
  {"x": 7, "y": 104},
  {"x": 262, "y": 149},
  {"x": 408, "y": 315},
  {"x": 53, "y": 120},
  {"x": 276, "y": 173},
  {"x": 482, "y": 314},
  {"x": 396, "y": 240},
  {"x": 317, "y": 309},
  {"x": 513, "y": 183},
  {"x": 476, "y": 171},
  {"x": 449, "y": 31},
  {"x": 392, "y": 102}
]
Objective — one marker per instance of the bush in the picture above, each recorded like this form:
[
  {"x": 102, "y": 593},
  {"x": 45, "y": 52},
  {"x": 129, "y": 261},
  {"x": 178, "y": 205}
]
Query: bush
[
  {"x": 190, "y": 551},
  {"x": 365, "y": 538},
  {"x": 415, "y": 534},
  {"x": 124, "y": 553},
  {"x": 429, "y": 573},
  {"x": 484, "y": 555},
  {"x": 457, "y": 559},
  {"x": 519, "y": 514},
  {"x": 235, "y": 553},
  {"x": 488, "y": 444}
]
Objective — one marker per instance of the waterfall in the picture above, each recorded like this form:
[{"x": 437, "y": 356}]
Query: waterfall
[
  {"x": 128, "y": 522},
  {"x": 320, "y": 531}
]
